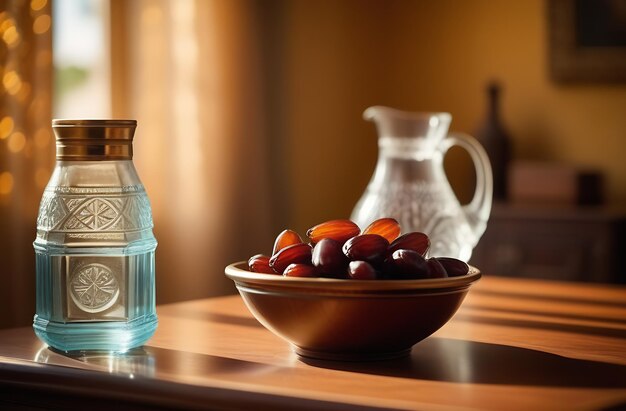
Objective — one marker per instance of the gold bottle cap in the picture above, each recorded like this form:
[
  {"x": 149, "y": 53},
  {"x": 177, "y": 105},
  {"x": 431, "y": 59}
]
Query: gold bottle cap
[{"x": 94, "y": 139}]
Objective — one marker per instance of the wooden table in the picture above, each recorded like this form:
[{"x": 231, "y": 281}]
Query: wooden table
[{"x": 514, "y": 344}]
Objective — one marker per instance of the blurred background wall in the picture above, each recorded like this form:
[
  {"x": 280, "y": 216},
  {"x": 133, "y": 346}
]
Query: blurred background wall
[
  {"x": 250, "y": 115},
  {"x": 341, "y": 57}
]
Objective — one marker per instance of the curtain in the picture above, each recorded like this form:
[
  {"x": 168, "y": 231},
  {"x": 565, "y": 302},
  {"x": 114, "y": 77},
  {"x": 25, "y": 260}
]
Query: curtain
[
  {"x": 26, "y": 148},
  {"x": 191, "y": 72}
]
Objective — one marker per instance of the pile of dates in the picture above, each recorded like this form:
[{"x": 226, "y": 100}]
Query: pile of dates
[{"x": 339, "y": 249}]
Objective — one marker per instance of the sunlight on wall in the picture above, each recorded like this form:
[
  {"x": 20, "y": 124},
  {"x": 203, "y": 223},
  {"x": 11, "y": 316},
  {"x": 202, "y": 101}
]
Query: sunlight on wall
[
  {"x": 190, "y": 76},
  {"x": 185, "y": 76}
]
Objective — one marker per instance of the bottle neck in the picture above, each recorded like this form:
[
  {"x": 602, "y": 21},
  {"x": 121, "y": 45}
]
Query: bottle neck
[{"x": 98, "y": 174}]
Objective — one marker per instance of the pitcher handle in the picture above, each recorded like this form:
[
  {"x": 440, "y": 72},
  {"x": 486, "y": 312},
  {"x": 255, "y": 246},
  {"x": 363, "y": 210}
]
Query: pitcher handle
[{"x": 478, "y": 210}]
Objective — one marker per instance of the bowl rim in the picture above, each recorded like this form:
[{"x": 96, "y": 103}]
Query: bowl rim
[{"x": 241, "y": 275}]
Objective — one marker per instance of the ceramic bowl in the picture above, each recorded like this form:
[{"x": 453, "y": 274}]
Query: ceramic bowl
[{"x": 335, "y": 319}]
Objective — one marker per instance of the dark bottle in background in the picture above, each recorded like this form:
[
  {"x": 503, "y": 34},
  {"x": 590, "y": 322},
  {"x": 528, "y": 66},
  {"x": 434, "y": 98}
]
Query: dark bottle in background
[{"x": 495, "y": 139}]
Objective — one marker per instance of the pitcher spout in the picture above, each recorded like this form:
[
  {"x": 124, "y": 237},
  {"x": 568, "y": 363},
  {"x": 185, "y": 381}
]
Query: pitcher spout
[{"x": 391, "y": 122}]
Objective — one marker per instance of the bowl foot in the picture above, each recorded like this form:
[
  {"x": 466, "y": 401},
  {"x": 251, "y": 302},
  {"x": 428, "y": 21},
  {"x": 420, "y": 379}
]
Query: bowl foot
[{"x": 351, "y": 356}]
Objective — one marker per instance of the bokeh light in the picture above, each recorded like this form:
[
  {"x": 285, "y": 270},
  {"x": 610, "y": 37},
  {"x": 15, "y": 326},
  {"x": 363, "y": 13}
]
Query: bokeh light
[
  {"x": 6, "y": 183},
  {"x": 10, "y": 36},
  {"x": 6, "y": 127},
  {"x": 37, "y": 5},
  {"x": 42, "y": 24},
  {"x": 12, "y": 82},
  {"x": 16, "y": 142}
]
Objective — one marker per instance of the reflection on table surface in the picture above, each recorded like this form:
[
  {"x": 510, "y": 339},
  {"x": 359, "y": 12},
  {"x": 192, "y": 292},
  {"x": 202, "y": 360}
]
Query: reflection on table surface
[
  {"x": 138, "y": 361},
  {"x": 435, "y": 359}
]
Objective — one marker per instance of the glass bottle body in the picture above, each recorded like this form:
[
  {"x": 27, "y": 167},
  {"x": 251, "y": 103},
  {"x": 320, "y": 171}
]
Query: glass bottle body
[{"x": 95, "y": 258}]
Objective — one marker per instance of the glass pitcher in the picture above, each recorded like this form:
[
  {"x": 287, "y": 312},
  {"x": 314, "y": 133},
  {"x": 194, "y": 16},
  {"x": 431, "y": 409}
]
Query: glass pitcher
[
  {"x": 95, "y": 270},
  {"x": 410, "y": 184}
]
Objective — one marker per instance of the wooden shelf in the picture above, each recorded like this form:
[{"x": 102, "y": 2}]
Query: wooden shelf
[{"x": 558, "y": 243}]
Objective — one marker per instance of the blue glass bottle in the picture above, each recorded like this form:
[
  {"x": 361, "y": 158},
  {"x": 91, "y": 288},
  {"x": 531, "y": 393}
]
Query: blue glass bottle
[{"x": 95, "y": 247}]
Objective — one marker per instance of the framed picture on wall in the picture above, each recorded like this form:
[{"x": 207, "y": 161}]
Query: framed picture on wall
[{"x": 587, "y": 40}]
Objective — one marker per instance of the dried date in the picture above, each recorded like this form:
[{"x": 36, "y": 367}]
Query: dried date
[
  {"x": 285, "y": 239},
  {"x": 260, "y": 264},
  {"x": 297, "y": 253},
  {"x": 388, "y": 228},
  {"x": 338, "y": 230}
]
